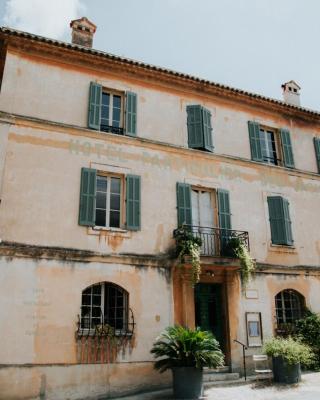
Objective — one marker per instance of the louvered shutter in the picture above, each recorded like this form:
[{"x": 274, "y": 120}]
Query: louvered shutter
[
  {"x": 288, "y": 160},
  {"x": 280, "y": 223},
  {"x": 95, "y": 100},
  {"x": 131, "y": 114},
  {"x": 224, "y": 217},
  {"x": 207, "y": 129},
  {"x": 184, "y": 204},
  {"x": 195, "y": 127},
  {"x": 87, "y": 197},
  {"x": 255, "y": 143},
  {"x": 133, "y": 206},
  {"x": 316, "y": 141}
]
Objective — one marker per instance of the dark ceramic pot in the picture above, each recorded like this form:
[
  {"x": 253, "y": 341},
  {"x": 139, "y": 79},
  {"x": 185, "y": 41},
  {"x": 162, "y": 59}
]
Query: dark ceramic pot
[{"x": 187, "y": 382}]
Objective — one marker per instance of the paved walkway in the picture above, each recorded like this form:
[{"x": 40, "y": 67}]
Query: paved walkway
[{"x": 308, "y": 389}]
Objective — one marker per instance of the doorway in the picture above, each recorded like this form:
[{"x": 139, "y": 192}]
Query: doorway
[{"x": 209, "y": 310}]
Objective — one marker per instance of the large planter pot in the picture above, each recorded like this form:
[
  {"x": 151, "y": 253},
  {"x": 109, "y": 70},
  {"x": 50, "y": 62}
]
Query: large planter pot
[
  {"x": 187, "y": 382},
  {"x": 284, "y": 372}
]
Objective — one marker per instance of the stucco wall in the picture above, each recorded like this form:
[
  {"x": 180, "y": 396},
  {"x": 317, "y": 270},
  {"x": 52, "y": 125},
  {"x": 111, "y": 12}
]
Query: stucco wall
[
  {"x": 41, "y": 185},
  {"x": 59, "y": 92}
]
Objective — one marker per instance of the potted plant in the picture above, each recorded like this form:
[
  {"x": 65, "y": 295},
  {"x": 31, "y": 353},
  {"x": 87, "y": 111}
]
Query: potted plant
[
  {"x": 287, "y": 356},
  {"x": 186, "y": 351}
]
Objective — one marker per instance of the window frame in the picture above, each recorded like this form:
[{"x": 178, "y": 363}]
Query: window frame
[
  {"x": 284, "y": 309},
  {"x": 114, "y": 129},
  {"x": 277, "y": 142},
  {"x": 125, "y": 319},
  {"x": 110, "y": 175}
]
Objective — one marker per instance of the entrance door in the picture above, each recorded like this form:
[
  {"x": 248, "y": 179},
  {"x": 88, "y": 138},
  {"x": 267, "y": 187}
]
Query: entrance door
[
  {"x": 203, "y": 219},
  {"x": 209, "y": 310}
]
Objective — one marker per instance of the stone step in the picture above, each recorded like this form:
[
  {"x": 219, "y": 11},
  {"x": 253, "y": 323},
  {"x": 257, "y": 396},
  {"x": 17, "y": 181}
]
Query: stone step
[
  {"x": 224, "y": 369},
  {"x": 220, "y": 376}
]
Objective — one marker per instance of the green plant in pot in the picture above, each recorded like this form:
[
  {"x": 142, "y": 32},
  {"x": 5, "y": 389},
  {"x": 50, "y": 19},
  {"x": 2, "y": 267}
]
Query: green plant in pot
[
  {"x": 186, "y": 351},
  {"x": 287, "y": 356}
]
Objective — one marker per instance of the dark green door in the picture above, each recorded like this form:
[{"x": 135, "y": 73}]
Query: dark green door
[{"x": 209, "y": 310}]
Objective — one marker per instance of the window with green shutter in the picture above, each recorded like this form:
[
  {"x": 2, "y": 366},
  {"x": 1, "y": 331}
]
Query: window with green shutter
[
  {"x": 255, "y": 143},
  {"x": 112, "y": 111},
  {"x": 280, "y": 222},
  {"x": 199, "y": 128},
  {"x": 102, "y": 202},
  {"x": 224, "y": 213},
  {"x": 316, "y": 141},
  {"x": 184, "y": 209}
]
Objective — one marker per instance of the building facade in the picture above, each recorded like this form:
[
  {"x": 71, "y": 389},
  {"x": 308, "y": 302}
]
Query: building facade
[{"x": 101, "y": 158}]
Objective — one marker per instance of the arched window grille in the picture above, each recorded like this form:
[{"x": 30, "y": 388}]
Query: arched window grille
[
  {"x": 289, "y": 308},
  {"x": 104, "y": 303}
]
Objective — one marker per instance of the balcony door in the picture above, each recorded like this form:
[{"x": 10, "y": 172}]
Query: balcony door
[{"x": 203, "y": 219}]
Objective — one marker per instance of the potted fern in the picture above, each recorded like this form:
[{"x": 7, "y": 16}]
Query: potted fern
[{"x": 186, "y": 351}]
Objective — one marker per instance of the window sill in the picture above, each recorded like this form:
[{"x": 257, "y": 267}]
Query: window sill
[
  {"x": 282, "y": 248},
  {"x": 100, "y": 230}
]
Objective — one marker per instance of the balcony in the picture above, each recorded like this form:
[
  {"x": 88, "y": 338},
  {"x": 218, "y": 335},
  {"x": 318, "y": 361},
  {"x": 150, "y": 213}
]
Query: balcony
[{"x": 217, "y": 242}]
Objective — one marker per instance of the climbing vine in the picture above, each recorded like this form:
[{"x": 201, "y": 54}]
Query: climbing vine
[{"x": 189, "y": 245}]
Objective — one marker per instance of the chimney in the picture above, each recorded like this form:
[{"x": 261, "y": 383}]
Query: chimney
[
  {"x": 82, "y": 31},
  {"x": 291, "y": 93}
]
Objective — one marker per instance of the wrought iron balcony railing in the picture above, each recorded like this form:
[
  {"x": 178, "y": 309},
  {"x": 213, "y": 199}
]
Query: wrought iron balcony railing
[{"x": 217, "y": 241}]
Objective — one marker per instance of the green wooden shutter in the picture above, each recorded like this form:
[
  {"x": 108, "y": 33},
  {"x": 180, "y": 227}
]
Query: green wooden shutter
[
  {"x": 207, "y": 129},
  {"x": 133, "y": 188},
  {"x": 131, "y": 114},
  {"x": 184, "y": 204},
  {"x": 316, "y": 141},
  {"x": 288, "y": 160},
  {"x": 87, "y": 209},
  {"x": 95, "y": 100},
  {"x": 195, "y": 127},
  {"x": 255, "y": 143},
  {"x": 224, "y": 217},
  {"x": 280, "y": 223}
]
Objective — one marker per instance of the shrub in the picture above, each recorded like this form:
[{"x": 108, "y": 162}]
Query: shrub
[
  {"x": 183, "y": 347},
  {"x": 308, "y": 332},
  {"x": 292, "y": 350}
]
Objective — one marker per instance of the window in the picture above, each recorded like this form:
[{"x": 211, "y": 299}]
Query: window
[
  {"x": 280, "y": 222},
  {"x": 112, "y": 111},
  {"x": 289, "y": 308},
  {"x": 104, "y": 303},
  {"x": 199, "y": 128},
  {"x": 102, "y": 200},
  {"x": 108, "y": 201},
  {"x": 270, "y": 146}
]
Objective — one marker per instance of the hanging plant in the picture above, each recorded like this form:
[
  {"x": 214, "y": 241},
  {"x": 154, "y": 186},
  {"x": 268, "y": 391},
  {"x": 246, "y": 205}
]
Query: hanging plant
[
  {"x": 189, "y": 245},
  {"x": 235, "y": 247}
]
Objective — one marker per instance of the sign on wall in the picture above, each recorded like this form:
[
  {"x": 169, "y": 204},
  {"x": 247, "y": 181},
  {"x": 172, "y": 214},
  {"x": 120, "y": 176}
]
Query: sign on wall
[{"x": 254, "y": 329}]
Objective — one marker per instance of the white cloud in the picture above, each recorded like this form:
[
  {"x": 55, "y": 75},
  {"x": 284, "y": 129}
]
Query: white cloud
[{"x": 43, "y": 17}]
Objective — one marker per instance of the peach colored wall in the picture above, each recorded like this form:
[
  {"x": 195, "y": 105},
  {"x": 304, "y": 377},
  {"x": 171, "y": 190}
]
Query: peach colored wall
[
  {"x": 60, "y": 94},
  {"x": 41, "y": 187},
  {"x": 41, "y": 301}
]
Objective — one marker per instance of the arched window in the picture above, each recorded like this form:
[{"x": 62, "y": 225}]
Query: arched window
[
  {"x": 104, "y": 303},
  {"x": 289, "y": 308}
]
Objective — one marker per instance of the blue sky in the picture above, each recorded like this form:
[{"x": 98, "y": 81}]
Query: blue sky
[{"x": 254, "y": 45}]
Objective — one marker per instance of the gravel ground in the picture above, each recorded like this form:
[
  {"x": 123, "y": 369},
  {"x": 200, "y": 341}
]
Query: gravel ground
[{"x": 308, "y": 389}]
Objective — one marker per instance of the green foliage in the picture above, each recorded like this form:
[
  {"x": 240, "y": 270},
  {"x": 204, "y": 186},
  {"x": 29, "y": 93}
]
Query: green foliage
[
  {"x": 308, "y": 332},
  {"x": 292, "y": 350},
  {"x": 183, "y": 347},
  {"x": 189, "y": 245},
  {"x": 235, "y": 247}
]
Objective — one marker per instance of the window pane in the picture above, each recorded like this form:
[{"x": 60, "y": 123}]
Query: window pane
[
  {"x": 117, "y": 102},
  {"x": 86, "y": 299},
  {"x": 96, "y": 300},
  {"x": 100, "y": 218},
  {"x": 114, "y": 219},
  {"x": 115, "y": 185},
  {"x": 105, "y": 109},
  {"x": 101, "y": 200},
  {"x": 102, "y": 183},
  {"x": 116, "y": 115},
  {"x": 115, "y": 202}
]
